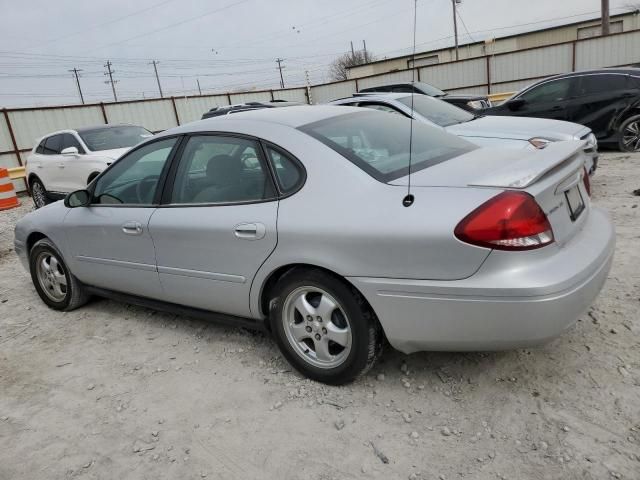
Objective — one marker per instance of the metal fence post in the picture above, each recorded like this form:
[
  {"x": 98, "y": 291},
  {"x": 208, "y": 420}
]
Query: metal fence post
[
  {"x": 175, "y": 110},
  {"x": 488, "y": 75},
  {"x": 16, "y": 150},
  {"x": 104, "y": 113},
  {"x": 573, "y": 56}
]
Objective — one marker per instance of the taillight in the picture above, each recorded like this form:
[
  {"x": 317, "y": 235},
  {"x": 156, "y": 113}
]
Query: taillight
[
  {"x": 587, "y": 182},
  {"x": 509, "y": 221}
]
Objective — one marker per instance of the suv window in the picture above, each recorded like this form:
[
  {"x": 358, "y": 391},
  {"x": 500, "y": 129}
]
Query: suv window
[
  {"x": 379, "y": 143},
  {"x": 552, "y": 91},
  {"x": 592, "y": 84},
  {"x": 69, "y": 140},
  {"x": 133, "y": 180},
  {"x": 52, "y": 145},
  {"x": 40, "y": 148},
  {"x": 221, "y": 169},
  {"x": 288, "y": 173}
]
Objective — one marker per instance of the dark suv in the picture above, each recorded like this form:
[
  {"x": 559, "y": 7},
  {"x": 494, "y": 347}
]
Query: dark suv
[
  {"x": 243, "y": 107},
  {"x": 607, "y": 101},
  {"x": 468, "y": 102}
]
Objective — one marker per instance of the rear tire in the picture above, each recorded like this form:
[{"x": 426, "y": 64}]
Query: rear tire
[
  {"x": 324, "y": 327},
  {"x": 39, "y": 193},
  {"x": 630, "y": 135},
  {"x": 55, "y": 284}
]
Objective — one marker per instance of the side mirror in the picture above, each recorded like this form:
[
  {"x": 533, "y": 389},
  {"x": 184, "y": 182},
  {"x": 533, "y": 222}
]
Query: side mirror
[
  {"x": 79, "y": 198},
  {"x": 69, "y": 151},
  {"x": 516, "y": 104}
]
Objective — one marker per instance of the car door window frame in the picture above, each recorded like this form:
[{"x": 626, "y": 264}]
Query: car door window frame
[
  {"x": 167, "y": 192},
  {"x": 46, "y": 152},
  {"x": 162, "y": 180},
  {"x": 77, "y": 144},
  {"x": 570, "y": 91},
  {"x": 264, "y": 144}
]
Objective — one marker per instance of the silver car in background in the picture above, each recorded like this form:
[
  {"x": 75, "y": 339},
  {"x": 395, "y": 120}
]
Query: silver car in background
[
  {"x": 294, "y": 218},
  {"x": 486, "y": 131}
]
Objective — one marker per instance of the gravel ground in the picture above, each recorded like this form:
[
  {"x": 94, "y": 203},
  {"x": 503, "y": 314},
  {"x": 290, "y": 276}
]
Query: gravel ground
[{"x": 116, "y": 391}]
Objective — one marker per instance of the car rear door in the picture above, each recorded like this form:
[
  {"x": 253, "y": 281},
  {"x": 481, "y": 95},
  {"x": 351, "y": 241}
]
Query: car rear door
[
  {"x": 217, "y": 224},
  {"x": 598, "y": 97},
  {"x": 109, "y": 240},
  {"x": 546, "y": 100}
]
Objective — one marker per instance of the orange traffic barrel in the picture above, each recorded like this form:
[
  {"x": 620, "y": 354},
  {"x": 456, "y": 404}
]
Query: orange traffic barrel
[{"x": 8, "y": 198}]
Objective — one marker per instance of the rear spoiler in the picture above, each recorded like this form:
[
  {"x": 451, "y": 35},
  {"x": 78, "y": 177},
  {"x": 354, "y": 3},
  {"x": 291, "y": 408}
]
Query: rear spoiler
[{"x": 532, "y": 166}]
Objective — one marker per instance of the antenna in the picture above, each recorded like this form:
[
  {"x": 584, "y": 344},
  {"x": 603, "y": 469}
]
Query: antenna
[{"x": 409, "y": 199}]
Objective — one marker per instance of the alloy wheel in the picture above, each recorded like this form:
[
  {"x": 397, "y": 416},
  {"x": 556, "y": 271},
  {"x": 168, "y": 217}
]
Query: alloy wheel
[
  {"x": 631, "y": 137},
  {"x": 51, "y": 276},
  {"x": 38, "y": 194},
  {"x": 317, "y": 327}
]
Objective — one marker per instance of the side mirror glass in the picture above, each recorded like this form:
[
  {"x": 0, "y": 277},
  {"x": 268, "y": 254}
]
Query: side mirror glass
[
  {"x": 516, "y": 104},
  {"x": 79, "y": 198},
  {"x": 69, "y": 151}
]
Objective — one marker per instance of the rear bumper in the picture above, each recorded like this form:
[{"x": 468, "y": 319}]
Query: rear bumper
[{"x": 514, "y": 300}]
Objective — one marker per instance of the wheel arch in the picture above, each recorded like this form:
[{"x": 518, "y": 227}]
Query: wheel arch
[
  {"x": 32, "y": 176},
  {"x": 33, "y": 238},
  {"x": 271, "y": 281}
]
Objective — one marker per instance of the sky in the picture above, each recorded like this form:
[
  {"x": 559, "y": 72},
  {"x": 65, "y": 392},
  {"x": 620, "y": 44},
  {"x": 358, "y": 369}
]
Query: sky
[{"x": 231, "y": 45}]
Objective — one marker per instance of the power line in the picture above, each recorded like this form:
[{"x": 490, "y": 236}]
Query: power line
[
  {"x": 75, "y": 73},
  {"x": 110, "y": 72}
]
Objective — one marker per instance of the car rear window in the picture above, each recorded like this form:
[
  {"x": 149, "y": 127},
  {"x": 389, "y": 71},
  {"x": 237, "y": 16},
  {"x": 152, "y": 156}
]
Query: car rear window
[
  {"x": 439, "y": 112},
  {"x": 378, "y": 143}
]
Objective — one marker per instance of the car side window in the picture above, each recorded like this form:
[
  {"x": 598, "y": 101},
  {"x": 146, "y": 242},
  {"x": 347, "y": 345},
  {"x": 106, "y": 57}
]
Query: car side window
[
  {"x": 552, "y": 91},
  {"x": 69, "y": 140},
  {"x": 133, "y": 180},
  {"x": 594, "y": 84},
  {"x": 288, "y": 173},
  {"x": 221, "y": 169},
  {"x": 40, "y": 148},
  {"x": 52, "y": 145},
  {"x": 403, "y": 89}
]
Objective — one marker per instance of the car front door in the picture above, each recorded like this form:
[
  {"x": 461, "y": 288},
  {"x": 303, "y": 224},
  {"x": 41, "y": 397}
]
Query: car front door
[
  {"x": 109, "y": 240},
  {"x": 547, "y": 100},
  {"x": 217, "y": 224},
  {"x": 598, "y": 98},
  {"x": 50, "y": 172},
  {"x": 72, "y": 167}
]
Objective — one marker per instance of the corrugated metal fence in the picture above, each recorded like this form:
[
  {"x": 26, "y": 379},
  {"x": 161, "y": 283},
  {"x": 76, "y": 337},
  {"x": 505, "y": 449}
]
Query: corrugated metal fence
[{"x": 20, "y": 127}]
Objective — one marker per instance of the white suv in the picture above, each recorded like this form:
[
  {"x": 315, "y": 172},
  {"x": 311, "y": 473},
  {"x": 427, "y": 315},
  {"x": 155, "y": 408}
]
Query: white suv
[{"x": 68, "y": 160}]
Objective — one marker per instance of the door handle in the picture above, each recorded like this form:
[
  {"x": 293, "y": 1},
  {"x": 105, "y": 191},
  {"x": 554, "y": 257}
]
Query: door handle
[
  {"x": 250, "y": 231},
  {"x": 132, "y": 228}
]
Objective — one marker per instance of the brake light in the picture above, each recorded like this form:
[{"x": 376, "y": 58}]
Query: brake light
[
  {"x": 509, "y": 221},
  {"x": 587, "y": 182}
]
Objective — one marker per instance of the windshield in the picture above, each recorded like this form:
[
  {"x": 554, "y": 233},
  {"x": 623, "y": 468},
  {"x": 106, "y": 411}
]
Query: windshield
[
  {"x": 109, "y": 138},
  {"x": 430, "y": 89},
  {"x": 378, "y": 143},
  {"x": 439, "y": 112}
]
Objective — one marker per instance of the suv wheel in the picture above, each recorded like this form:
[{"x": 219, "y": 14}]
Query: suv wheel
[
  {"x": 55, "y": 284},
  {"x": 630, "y": 135},
  {"x": 39, "y": 193},
  {"x": 323, "y": 327}
]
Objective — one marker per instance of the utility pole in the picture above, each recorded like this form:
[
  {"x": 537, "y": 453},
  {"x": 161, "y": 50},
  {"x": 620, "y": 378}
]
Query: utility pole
[
  {"x": 606, "y": 29},
  {"x": 155, "y": 69},
  {"x": 76, "y": 71},
  {"x": 366, "y": 57},
  {"x": 198, "y": 82},
  {"x": 280, "y": 67},
  {"x": 306, "y": 75},
  {"x": 113, "y": 82},
  {"x": 353, "y": 53},
  {"x": 455, "y": 25}
]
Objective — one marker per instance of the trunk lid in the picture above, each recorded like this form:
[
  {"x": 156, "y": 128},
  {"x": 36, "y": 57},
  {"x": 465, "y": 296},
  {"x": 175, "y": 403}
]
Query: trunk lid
[{"x": 553, "y": 176}]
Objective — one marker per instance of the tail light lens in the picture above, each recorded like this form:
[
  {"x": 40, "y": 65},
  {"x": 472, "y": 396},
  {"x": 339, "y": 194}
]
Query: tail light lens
[
  {"x": 509, "y": 221},
  {"x": 587, "y": 182}
]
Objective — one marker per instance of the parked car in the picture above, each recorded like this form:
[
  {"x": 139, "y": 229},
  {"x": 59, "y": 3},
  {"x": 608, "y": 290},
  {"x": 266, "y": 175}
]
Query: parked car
[
  {"x": 243, "y": 107},
  {"x": 466, "y": 102},
  {"x": 68, "y": 160},
  {"x": 607, "y": 101},
  {"x": 494, "y": 131},
  {"x": 500, "y": 249}
]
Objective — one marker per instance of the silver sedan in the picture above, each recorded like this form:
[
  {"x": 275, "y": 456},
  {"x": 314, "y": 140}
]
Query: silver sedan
[{"x": 298, "y": 219}]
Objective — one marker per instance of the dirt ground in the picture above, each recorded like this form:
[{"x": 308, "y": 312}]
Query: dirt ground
[{"x": 112, "y": 391}]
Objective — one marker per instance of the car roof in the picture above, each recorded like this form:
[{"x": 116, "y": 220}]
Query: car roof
[
  {"x": 600, "y": 71},
  {"x": 290, "y": 116},
  {"x": 104, "y": 125}
]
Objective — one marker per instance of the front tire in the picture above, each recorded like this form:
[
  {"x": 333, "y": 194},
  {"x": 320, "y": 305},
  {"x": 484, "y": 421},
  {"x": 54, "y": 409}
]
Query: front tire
[
  {"x": 55, "y": 284},
  {"x": 39, "y": 193},
  {"x": 630, "y": 135},
  {"x": 324, "y": 327}
]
